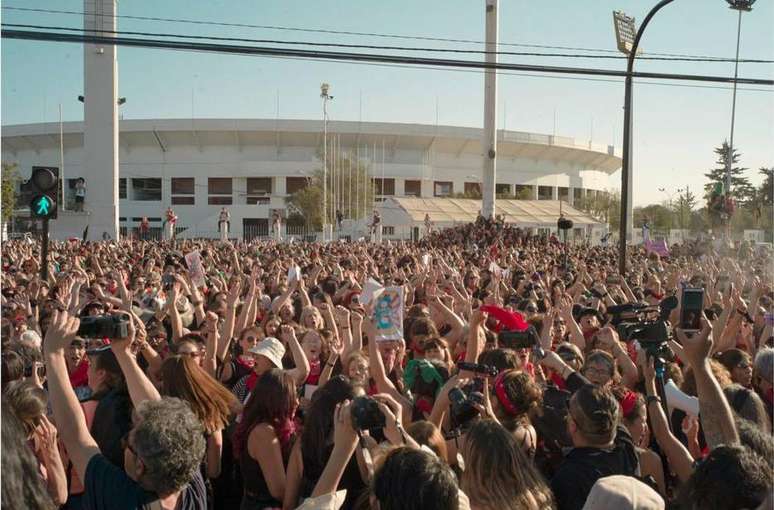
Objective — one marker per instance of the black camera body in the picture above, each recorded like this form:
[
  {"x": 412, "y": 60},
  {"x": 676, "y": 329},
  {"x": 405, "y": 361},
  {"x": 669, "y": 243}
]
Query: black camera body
[
  {"x": 366, "y": 414},
  {"x": 519, "y": 339},
  {"x": 477, "y": 368},
  {"x": 462, "y": 402},
  {"x": 104, "y": 326}
]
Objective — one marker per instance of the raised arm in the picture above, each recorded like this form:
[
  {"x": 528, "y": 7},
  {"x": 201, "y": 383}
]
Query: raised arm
[
  {"x": 678, "y": 456},
  {"x": 139, "y": 386},
  {"x": 302, "y": 369},
  {"x": 716, "y": 418},
  {"x": 72, "y": 427}
]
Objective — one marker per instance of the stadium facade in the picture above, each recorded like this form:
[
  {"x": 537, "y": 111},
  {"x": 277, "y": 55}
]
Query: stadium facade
[{"x": 251, "y": 165}]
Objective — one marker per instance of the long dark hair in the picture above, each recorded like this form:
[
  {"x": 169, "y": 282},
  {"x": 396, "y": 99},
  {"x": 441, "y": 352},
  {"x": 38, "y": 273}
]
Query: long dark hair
[
  {"x": 316, "y": 440},
  {"x": 272, "y": 401}
]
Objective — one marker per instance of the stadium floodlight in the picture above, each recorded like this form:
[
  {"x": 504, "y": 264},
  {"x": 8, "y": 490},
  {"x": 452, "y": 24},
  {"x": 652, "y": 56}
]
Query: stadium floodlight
[
  {"x": 625, "y": 31},
  {"x": 741, "y": 5}
]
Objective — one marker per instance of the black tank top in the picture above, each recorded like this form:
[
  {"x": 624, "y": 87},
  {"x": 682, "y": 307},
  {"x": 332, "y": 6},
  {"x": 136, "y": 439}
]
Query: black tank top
[
  {"x": 350, "y": 480},
  {"x": 254, "y": 483}
]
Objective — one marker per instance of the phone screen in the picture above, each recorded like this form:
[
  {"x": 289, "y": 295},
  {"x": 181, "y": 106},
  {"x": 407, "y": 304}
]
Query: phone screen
[{"x": 692, "y": 305}]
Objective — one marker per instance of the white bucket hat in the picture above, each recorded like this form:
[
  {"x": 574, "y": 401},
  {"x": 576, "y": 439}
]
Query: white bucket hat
[{"x": 271, "y": 348}]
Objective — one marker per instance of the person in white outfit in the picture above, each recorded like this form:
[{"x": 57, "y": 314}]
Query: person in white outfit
[
  {"x": 224, "y": 224},
  {"x": 276, "y": 225},
  {"x": 171, "y": 220}
]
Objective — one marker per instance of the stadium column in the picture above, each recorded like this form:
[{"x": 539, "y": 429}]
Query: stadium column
[
  {"x": 100, "y": 131},
  {"x": 490, "y": 113}
]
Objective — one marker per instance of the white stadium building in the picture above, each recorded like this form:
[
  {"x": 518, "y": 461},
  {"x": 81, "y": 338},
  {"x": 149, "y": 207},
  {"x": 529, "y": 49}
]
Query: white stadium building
[{"x": 251, "y": 165}]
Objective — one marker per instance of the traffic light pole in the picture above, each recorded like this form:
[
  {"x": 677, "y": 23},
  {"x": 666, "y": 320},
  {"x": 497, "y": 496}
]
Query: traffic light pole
[{"x": 44, "y": 252}]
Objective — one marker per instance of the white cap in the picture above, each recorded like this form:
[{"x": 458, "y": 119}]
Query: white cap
[{"x": 272, "y": 349}]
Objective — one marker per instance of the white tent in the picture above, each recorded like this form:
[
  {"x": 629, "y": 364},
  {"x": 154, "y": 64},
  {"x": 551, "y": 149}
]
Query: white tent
[{"x": 403, "y": 216}]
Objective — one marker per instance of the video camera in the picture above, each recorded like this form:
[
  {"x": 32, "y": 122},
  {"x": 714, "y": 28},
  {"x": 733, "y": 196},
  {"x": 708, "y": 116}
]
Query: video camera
[
  {"x": 104, "y": 326},
  {"x": 519, "y": 339},
  {"x": 652, "y": 334}
]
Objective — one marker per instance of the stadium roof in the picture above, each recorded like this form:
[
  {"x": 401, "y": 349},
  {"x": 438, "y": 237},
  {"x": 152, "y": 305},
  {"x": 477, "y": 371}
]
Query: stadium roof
[{"x": 463, "y": 210}]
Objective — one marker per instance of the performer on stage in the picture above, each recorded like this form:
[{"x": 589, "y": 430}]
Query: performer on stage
[
  {"x": 170, "y": 221},
  {"x": 224, "y": 224},
  {"x": 376, "y": 227},
  {"x": 144, "y": 228},
  {"x": 428, "y": 224},
  {"x": 276, "y": 225}
]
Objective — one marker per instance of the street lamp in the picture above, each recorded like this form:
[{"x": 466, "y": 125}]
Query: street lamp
[
  {"x": 741, "y": 6},
  {"x": 624, "y": 27},
  {"x": 324, "y": 88}
]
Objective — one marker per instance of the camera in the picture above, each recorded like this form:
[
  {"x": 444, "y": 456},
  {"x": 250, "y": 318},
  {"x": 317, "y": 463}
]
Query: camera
[
  {"x": 104, "y": 326},
  {"x": 518, "y": 339},
  {"x": 366, "y": 414},
  {"x": 477, "y": 368},
  {"x": 462, "y": 403}
]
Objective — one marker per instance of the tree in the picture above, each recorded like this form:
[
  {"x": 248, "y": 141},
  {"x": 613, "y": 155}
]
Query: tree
[
  {"x": 741, "y": 189},
  {"x": 10, "y": 190},
  {"x": 683, "y": 207},
  {"x": 307, "y": 202},
  {"x": 766, "y": 189}
]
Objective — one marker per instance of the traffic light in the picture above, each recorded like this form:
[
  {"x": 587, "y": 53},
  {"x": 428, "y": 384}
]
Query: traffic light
[{"x": 44, "y": 186}]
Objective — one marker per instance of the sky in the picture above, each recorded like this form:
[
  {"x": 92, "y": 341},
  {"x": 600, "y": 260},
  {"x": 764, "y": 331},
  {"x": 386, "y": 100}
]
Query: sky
[{"x": 676, "y": 126}]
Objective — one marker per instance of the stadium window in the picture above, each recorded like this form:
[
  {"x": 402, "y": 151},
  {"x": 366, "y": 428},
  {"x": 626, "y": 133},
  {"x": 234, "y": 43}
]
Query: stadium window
[
  {"x": 384, "y": 186},
  {"x": 545, "y": 193},
  {"x": 473, "y": 188},
  {"x": 220, "y": 191},
  {"x": 503, "y": 189},
  {"x": 146, "y": 189},
  {"x": 412, "y": 188},
  {"x": 388, "y": 230},
  {"x": 293, "y": 184},
  {"x": 443, "y": 188},
  {"x": 259, "y": 185},
  {"x": 183, "y": 191},
  {"x": 122, "y": 188},
  {"x": 564, "y": 194}
]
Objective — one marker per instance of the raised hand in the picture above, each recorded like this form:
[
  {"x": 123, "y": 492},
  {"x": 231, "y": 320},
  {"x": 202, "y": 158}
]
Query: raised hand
[
  {"x": 697, "y": 347},
  {"x": 60, "y": 333}
]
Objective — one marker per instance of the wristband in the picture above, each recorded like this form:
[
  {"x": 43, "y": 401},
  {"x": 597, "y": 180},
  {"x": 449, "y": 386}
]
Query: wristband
[{"x": 652, "y": 398}]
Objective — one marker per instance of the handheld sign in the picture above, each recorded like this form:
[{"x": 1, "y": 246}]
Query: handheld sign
[{"x": 388, "y": 314}]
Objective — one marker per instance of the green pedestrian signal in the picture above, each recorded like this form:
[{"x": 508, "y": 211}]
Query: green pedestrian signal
[{"x": 43, "y": 206}]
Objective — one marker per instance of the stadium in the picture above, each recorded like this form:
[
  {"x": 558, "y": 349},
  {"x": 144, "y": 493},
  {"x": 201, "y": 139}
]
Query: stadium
[{"x": 251, "y": 165}]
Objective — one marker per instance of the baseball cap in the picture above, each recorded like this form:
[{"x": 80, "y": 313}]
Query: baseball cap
[
  {"x": 623, "y": 492},
  {"x": 271, "y": 348}
]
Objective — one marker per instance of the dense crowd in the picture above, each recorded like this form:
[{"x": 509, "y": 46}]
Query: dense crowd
[{"x": 480, "y": 368}]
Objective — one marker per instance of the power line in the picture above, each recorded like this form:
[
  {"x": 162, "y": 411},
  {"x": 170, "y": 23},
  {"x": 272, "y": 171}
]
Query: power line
[
  {"x": 377, "y": 47},
  {"x": 366, "y": 57},
  {"x": 350, "y": 33},
  {"x": 527, "y": 75}
]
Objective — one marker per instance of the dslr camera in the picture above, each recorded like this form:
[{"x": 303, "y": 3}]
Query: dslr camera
[
  {"x": 462, "y": 402},
  {"x": 104, "y": 326},
  {"x": 366, "y": 414}
]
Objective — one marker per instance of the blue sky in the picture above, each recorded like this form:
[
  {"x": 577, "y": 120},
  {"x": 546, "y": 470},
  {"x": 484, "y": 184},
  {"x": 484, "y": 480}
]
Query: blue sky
[{"x": 676, "y": 127}]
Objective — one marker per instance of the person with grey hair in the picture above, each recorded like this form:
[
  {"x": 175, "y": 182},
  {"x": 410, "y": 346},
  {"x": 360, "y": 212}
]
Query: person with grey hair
[
  {"x": 763, "y": 379},
  {"x": 163, "y": 450}
]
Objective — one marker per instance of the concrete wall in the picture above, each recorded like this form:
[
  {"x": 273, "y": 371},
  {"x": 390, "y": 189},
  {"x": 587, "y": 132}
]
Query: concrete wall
[{"x": 226, "y": 160}]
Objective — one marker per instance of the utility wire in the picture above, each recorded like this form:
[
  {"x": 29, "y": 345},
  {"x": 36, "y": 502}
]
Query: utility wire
[
  {"x": 377, "y": 47},
  {"x": 350, "y": 33},
  {"x": 527, "y": 75},
  {"x": 344, "y": 56}
]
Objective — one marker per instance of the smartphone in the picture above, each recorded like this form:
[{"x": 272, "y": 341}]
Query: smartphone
[{"x": 692, "y": 306}]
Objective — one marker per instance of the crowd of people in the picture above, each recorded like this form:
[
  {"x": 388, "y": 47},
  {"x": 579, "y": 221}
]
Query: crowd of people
[{"x": 526, "y": 374}]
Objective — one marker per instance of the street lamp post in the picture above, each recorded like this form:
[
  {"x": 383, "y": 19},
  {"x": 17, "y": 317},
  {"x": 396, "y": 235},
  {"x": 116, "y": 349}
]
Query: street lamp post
[
  {"x": 324, "y": 88},
  {"x": 741, "y": 6},
  {"x": 624, "y": 27}
]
